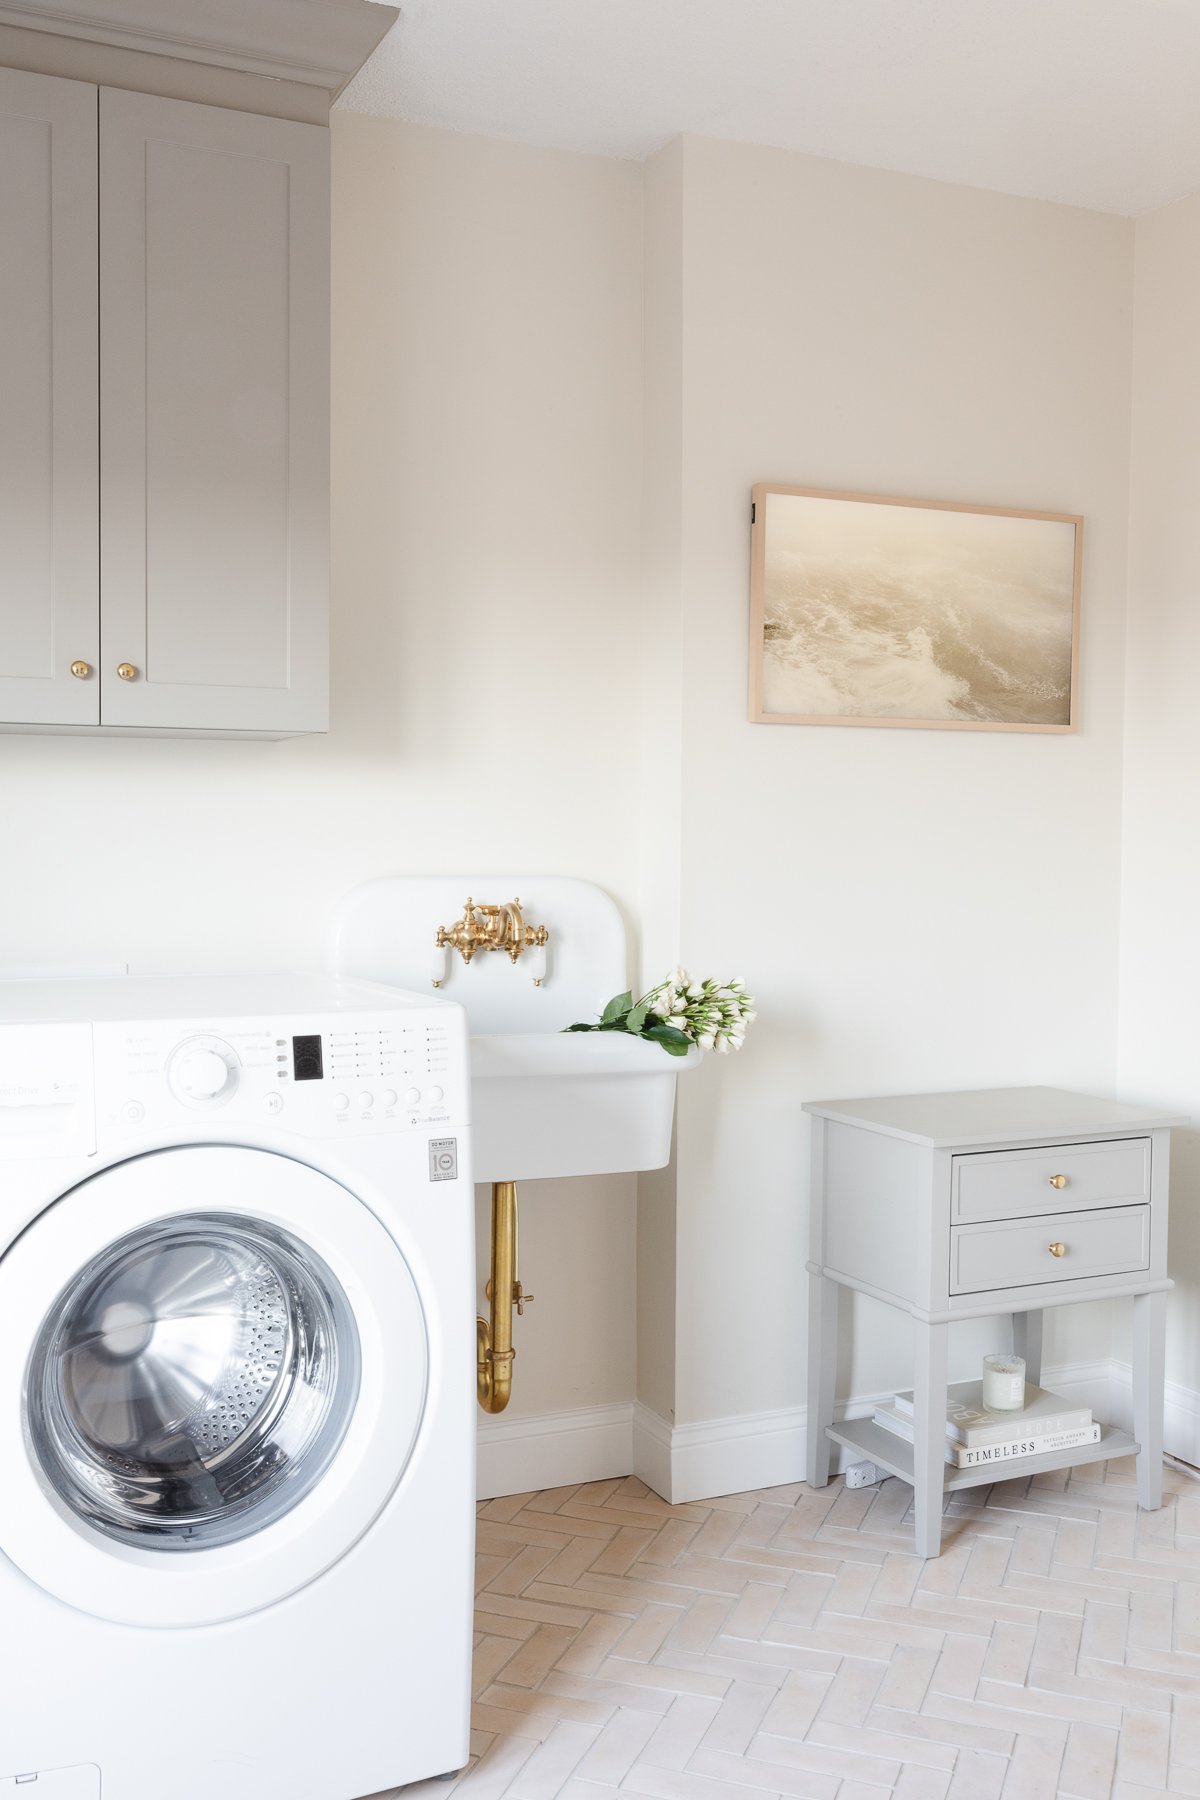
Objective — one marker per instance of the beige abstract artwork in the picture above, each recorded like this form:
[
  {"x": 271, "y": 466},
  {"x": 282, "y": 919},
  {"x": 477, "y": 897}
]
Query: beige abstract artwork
[{"x": 873, "y": 611}]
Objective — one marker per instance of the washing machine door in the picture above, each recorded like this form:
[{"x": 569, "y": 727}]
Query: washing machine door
[{"x": 213, "y": 1369}]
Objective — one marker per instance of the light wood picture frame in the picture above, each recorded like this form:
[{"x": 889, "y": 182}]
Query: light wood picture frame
[{"x": 937, "y": 615}]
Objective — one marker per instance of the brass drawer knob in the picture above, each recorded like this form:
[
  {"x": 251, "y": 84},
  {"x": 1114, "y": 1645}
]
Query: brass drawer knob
[
  {"x": 81, "y": 670},
  {"x": 1058, "y": 1181},
  {"x": 127, "y": 672},
  {"x": 1057, "y": 1249}
]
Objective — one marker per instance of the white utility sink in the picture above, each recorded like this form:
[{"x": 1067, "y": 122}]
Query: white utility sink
[
  {"x": 544, "y": 1103},
  {"x": 584, "y": 1104}
]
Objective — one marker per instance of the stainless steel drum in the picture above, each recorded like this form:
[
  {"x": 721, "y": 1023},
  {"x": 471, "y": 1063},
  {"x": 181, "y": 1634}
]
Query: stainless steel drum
[{"x": 192, "y": 1384}]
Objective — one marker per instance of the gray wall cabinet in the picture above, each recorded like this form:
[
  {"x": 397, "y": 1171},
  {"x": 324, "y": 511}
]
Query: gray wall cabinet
[{"x": 164, "y": 481}]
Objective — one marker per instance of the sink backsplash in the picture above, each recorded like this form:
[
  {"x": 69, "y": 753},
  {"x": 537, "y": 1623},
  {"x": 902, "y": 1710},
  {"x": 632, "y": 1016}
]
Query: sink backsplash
[{"x": 386, "y": 930}]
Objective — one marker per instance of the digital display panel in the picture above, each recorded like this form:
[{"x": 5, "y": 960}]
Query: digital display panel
[{"x": 307, "y": 1062}]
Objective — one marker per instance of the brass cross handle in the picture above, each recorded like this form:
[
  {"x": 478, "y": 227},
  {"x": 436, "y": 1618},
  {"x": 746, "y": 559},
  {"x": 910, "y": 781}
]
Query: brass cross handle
[
  {"x": 1058, "y": 1181},
  {"x": 521, "y": 1299},
  {"x": 1057, "y": 1249}
]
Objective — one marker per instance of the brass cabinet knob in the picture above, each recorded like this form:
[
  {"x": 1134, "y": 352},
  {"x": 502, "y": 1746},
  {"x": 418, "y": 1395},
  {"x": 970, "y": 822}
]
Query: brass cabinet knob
[
  {"x": 127, "y": 672},
  {"x": 1057, "y": 1249},
  {"x": 1058, "y": 1181},
  {"x": 81, "y": 670}
]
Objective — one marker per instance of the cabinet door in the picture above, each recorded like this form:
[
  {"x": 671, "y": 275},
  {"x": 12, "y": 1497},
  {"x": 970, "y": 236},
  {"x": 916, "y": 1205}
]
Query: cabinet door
[
  {"x": 214, "y": 362},
  {"x": 49, "y": 471}
]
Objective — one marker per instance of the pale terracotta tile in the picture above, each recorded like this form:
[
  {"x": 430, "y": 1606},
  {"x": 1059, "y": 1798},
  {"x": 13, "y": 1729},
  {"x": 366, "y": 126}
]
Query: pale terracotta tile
[
  {"x": 1144, "y": 1749},
  {"x": 622, "y": 1550},
  {"x": 675, "y": 1681},
  {"x": 1105, "y": 1629},
  {"x": 960, "y": 1665},
  {"x": 601, "y": 1689},
  {"x": 701, "y": 1623},
  {"x": 1009, "y": 1653},
  {"x": 907, "y": 1678},
  {"x": 1089, "y": 1764},
  {"x": 851, "y": 1693},
  {"x": 768, "y": 1778},
  {"x": 977, "y": 1776},
  {"x": 670, "y": 1541},
  {"x": 797, "y": 1704},
  {"x": 678, "y": 1735},
  {"x": 591, "y": 1646},
  {"x": 739, "y": 1718},
  {"x": 619, "y": 1745},
  {"x": 648, "y": 1633},
  {"x": 914, "y": 1784},
  {"x": 529, "y": 1665},
  {"x": 1033, "y": 1770},
  {"x": 542, "y": 1775},
  {"x": 790, "y": 1643}
]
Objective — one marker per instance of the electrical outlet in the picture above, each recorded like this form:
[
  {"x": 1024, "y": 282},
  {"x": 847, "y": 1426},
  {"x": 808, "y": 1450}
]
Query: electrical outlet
[{"x": 862, "y": 1475}]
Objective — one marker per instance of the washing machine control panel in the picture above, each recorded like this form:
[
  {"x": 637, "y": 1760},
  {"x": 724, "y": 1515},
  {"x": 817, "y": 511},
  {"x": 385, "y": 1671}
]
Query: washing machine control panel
[{"x": 355, "y": 1075}]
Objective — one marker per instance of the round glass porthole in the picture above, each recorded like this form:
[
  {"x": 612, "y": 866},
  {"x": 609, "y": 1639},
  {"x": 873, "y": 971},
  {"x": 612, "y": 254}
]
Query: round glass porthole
[{"x": 193, "y": 1382}]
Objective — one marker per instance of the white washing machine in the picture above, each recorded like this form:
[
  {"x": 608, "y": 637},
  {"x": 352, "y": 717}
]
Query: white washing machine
[{"x": 237, "y": 1389}]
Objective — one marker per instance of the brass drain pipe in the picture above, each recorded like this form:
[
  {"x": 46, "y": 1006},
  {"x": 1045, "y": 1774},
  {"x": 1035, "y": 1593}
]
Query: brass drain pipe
[{"x": 493, "y": 1337}]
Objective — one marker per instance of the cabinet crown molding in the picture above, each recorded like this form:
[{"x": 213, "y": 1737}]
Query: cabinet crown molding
[{"x": 320, "y": 43}]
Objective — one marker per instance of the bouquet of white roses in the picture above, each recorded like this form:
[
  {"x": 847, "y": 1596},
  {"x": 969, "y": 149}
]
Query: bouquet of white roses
[{"x": 680, "y": 1012}]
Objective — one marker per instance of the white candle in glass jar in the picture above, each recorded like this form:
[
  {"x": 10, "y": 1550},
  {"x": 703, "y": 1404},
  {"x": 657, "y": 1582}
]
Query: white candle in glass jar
[{"x": 1003, "y": 1383}]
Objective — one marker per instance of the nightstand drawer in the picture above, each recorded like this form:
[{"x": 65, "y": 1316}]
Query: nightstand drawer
[
  {"x": 1007, "y": 1184},
  {"x": 1016, "y": 1253}
]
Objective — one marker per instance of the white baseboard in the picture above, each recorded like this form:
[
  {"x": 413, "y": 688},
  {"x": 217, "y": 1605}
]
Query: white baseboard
[
  {"x": 752, "y": 1450},
  {"x": 768, "y": 1449},
  {"x": 518, "y": 1456}
]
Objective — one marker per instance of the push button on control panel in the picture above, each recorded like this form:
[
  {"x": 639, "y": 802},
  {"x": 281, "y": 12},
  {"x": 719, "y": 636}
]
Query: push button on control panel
[{"x": 341, "y": 1102}]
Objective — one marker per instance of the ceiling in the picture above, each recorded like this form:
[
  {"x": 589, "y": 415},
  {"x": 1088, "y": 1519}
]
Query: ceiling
[{"x": 1092, "y": 102}]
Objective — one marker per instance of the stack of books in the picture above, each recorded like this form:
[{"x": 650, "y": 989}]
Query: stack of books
[{"x": 974, "y": 1436}]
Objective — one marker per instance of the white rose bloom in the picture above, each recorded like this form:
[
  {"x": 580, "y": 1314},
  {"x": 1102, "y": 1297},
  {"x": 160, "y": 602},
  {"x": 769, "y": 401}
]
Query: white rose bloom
[
  {"x": 722, "y": 1044},
  {"x": 706, "y": 1040}
]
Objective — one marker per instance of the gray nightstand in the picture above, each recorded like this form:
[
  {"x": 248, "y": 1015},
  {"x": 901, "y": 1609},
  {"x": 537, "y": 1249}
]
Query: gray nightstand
[{"x": 962, "y": 1206}]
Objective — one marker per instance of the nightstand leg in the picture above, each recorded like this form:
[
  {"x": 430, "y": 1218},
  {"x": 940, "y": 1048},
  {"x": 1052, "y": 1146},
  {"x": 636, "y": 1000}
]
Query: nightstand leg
[
  {"x": 1027, "y": 1342},
  {"x": 822, "y": 1374},
  {"x": 1149, "y": 1373},
  {"x": 929, "y": 1435}
]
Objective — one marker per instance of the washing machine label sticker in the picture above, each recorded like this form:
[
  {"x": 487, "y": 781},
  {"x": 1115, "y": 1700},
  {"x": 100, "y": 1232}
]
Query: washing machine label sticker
[{"x": 443, "y": 1159}]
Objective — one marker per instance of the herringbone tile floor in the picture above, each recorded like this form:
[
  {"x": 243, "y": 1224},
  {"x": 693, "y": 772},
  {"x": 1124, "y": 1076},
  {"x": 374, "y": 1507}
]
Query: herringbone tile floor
[{"x": 788, "y": 1642}]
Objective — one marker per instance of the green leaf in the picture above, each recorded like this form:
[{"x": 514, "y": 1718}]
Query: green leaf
[
  {"x": 676, "y": 1043},
  {"x": 581, "y": 1027},
  {"x": 637, "y": 1019},
  {"x": 617, "y": 1007}
]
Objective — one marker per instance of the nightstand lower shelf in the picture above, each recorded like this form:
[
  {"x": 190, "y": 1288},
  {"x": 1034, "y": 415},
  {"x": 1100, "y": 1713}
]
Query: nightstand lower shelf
[{"x": 887, "y": 1451}]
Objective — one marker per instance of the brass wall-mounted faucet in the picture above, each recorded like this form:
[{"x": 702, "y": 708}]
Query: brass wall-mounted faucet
[{"x": 492, "y": 928}]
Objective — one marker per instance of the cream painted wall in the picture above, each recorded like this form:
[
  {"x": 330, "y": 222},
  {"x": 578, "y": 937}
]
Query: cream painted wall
[
  {"x": 511, "y": 688},
  {"x": 487, "y": 434},
  {"x": 1160, "y": 933},
  {"x": 913, "y": 909}
]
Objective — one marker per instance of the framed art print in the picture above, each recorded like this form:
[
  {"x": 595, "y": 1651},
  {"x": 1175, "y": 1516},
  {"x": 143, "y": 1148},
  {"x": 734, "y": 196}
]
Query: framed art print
[{"x": 868, "y": 610}]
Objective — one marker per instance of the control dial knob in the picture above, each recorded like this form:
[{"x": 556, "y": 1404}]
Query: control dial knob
[{"x": 203, "y": 1071}]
